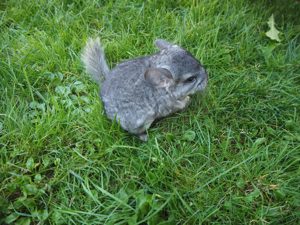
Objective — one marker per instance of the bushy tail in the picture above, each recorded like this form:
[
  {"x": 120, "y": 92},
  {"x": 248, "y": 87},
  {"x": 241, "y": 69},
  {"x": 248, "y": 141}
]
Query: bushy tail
[{"x": 94, "y": 60}]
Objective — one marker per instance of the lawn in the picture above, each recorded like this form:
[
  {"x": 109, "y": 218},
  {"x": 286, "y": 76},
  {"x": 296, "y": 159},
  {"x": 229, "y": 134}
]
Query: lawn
[{"x": 231, "y": 158}]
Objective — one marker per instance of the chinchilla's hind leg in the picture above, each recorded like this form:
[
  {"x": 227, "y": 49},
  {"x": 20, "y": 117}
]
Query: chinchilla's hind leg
[{"x": 143, "y": 136}]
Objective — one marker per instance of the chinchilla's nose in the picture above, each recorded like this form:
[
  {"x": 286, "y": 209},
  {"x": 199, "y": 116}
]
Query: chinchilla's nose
[
  {"x": 204, "y": 79},
  {"x": 204, "y": 74}
]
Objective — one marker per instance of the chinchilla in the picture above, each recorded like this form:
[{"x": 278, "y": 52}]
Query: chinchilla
[{"x": 138, "y": 91}]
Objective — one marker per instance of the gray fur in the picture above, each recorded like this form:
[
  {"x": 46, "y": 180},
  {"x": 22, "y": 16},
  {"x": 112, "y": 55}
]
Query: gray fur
[
  {"x": 94, "y": 59},
  {"x": 138, "y": 91}
]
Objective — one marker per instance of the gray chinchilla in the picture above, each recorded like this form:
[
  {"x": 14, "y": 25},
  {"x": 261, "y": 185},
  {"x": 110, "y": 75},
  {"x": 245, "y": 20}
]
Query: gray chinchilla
[{"x": 138, "y": 91}]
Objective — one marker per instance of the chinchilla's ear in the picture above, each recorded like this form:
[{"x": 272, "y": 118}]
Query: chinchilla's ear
[
  {"x": 162, "y": 44},
  {"x": 159, "y": 77}
]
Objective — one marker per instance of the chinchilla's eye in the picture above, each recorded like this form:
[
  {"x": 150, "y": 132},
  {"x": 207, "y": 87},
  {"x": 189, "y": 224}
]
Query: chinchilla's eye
[{"x": 191, "y": 79}]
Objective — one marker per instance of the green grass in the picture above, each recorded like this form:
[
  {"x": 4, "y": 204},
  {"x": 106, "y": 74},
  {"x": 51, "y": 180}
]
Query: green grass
[{"x": 231, "y": 158}]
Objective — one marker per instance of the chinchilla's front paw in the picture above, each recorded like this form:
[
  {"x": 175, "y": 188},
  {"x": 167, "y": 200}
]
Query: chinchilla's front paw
[
  {"x": 182, "y": 104},
  {"x": 186, "y": 101}
]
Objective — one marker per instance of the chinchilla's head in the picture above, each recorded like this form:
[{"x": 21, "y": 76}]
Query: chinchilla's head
[{"x": 177, "y": 70}]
